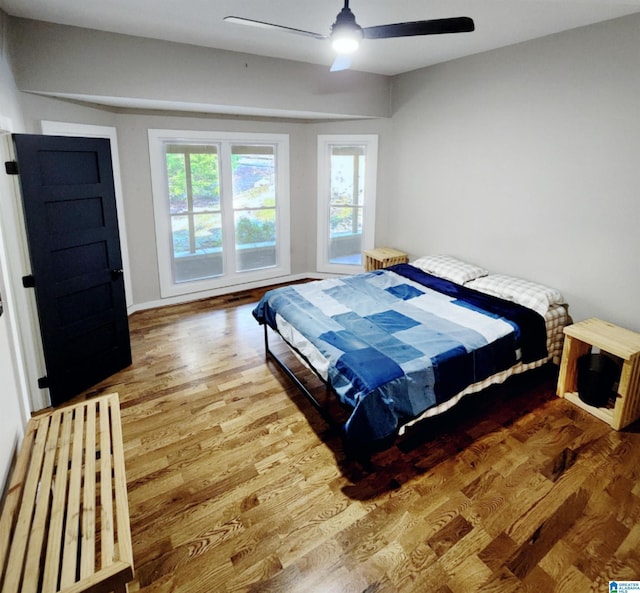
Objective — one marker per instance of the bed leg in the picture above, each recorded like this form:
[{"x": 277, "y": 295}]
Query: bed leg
[{"x": 266, "y": 342}]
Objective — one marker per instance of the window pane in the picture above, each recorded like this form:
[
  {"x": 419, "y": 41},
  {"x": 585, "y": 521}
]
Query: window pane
[
  {"x": 346, "y": 202},
  {"x": 197, "y": 232},
  {"x": 198, "y": 267},
  {"x": 345, "y": 249},
  {"x": 205, "y": 186},
  {"x": 180, "y": 235},
  {"x": 254, "y": 176},
  {"x": 254, "y": 201},
  {"x": 345, "y": 236},
  {"x": 197, "y": 246},
  {"x": 255, "y": 238},
  {"x": 347, "y": 199},
  {"x": 193, "y": 178},
  {"x": 194, "y": 203},
  {"x": 347, "y": 175},
  {"x": 177, "y": 179},
  {"x": 207, "y": 231},
  {"x": 345, "y": 221}
]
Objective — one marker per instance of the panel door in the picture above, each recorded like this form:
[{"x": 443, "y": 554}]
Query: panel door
[{"x": 74, "y": 247}]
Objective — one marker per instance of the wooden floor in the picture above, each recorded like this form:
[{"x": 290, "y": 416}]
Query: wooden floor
[{"x": 236, "y": 484}]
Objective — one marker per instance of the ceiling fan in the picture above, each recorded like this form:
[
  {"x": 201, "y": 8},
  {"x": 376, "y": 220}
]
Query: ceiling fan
[{"x": 346, "y": 34}]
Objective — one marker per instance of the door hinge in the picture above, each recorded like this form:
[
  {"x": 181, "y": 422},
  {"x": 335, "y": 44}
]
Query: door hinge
[
  {"x": 28, "y": 281},
  {"x": 11, "y": 167},
  {"x": 43, "y": 382}
]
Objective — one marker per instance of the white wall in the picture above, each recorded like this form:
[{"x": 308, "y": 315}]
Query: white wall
[
  {"x": 12, "y": 400},
  {"x": 527, "y": 160}
]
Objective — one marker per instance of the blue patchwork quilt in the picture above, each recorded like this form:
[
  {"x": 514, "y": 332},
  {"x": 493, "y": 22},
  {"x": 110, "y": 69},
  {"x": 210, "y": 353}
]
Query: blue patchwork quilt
[{"x": 395, "y": 342}]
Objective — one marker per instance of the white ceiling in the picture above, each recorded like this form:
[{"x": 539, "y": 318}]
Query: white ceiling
[{"x": 200, "y": 22}]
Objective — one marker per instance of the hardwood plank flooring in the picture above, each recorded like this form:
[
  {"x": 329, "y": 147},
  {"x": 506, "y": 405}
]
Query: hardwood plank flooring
[{"x": 237, "y": 485}]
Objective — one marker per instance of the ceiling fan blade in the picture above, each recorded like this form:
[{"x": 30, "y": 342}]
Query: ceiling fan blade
[
  {"x": 462, "y": 24},
  {"x": 262, "y": 25},
  {"x": 342, "y": 62}
]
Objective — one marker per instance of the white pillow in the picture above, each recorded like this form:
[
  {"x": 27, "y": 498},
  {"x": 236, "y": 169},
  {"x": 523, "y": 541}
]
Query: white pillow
[
  {"x": 449, "y": 268},
  {"x": 529, "y": 294}
]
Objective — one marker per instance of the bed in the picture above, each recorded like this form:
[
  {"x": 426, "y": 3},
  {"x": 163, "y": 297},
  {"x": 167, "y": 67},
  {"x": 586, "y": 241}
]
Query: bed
[{"x": 407, "y": 342}]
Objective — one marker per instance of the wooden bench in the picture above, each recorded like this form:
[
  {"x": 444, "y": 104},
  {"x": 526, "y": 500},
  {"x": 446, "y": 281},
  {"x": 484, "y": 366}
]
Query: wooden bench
[{"x": 65, "y": 521}]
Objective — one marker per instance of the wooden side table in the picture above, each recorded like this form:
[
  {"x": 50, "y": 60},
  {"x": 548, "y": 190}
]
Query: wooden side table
[
  {"x": 622, "y": 344},
  {"x": 383, "y": 257}
]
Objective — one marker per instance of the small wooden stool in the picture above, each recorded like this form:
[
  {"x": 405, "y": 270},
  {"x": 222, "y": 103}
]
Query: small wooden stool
[{"x": 383, "y": 257}]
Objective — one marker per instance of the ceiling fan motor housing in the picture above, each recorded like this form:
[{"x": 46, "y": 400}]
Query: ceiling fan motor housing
[{"x": 346, "y": 23}]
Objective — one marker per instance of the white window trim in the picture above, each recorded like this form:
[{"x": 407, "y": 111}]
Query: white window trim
[
  {"x": 157, "y": 141},
  {"x": 325, "y": 141}
]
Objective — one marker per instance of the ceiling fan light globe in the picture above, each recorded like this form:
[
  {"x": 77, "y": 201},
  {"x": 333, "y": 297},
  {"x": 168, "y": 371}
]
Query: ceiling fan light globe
[
  {"x": 345, "y": 44},
  {"x": 346, "y": 37}
]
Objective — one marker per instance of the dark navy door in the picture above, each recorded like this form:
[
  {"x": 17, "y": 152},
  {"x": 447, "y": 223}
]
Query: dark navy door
[{"x": 72, "y": 230}]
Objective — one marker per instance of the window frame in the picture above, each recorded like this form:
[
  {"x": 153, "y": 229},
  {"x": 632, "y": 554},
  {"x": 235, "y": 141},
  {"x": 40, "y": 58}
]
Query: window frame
[
  {"x": 158, "y": 139},
  {"x": 325, "y": 144}
]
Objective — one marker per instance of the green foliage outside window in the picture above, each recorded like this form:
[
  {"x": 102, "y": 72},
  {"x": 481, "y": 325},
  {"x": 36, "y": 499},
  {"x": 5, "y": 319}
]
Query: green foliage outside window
[
  {"x": 205, "y": 183},
  {"x": 195, "y": 202},
  {"x": 249, "y": 230}
]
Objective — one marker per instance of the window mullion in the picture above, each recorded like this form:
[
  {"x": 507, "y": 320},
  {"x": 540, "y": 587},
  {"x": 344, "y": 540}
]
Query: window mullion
[
  {"x": 189, "y": 186},
  {"x": 356, "y": 191},
  {"x": 228, "y": 213}
]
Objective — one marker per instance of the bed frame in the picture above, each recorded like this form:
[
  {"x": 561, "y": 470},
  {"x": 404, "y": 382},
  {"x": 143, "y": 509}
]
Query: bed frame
[
  {"x": 299, "y": 384},
  {"x": 353, "y": 451},
  {"x": 362, "y": 449}
]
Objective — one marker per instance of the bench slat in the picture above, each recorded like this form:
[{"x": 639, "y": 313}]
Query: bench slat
[
  {"x": 88, "y": 556},
  {"x": 14, "y": 493},
  {"x": 124, "y": 529},
  {"x": 72, "y": 524},
  {"x": 41, "y": 517},
  {"x": 56, "y": 523},
  {"x": 25, "y": 516},
  {"x": 106, "y": 490}
]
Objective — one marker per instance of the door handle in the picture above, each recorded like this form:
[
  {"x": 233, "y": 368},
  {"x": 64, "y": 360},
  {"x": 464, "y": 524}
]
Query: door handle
[{"x": 115, "y": 274}]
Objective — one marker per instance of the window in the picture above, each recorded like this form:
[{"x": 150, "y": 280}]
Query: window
[
  {"x": 222, "y": 208},
  {"x": 347, "y": 168}
]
